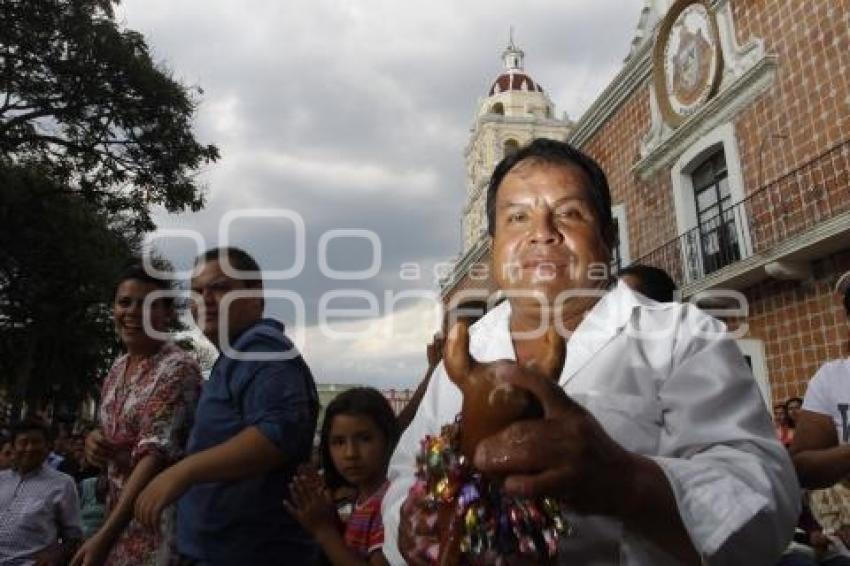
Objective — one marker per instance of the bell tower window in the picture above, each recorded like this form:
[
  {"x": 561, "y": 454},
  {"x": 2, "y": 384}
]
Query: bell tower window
[{"x": 510, "y": 147}]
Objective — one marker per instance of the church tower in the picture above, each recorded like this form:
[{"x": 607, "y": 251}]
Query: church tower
[{"x": 515, "y": 111}]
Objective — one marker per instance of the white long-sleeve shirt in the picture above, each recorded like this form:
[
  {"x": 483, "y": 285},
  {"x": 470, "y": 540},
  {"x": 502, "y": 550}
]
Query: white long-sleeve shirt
[
  {"x": 666, "y": 382},
  {"x": 36, "y": 511}
]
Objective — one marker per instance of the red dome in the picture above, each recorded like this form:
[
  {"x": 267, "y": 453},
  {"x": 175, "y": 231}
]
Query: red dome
[{"x": 514, "y": 81}]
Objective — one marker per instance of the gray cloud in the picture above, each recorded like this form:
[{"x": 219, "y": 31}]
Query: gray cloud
[{"x": 355, "y": 115}]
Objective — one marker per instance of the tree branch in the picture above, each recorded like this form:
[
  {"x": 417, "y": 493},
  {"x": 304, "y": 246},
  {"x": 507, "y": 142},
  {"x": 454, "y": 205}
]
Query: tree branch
[{"x": 21, "y": 118}]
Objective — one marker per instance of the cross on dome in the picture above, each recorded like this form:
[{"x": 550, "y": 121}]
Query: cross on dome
[
  {"x": 513, "y": 55},
  {"x": 514, "y": 77}
]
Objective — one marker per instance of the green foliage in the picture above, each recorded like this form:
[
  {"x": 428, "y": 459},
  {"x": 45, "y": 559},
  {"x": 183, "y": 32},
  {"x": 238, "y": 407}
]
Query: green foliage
[
  {"x": 84, "y": 98},
  {"x": 93, "y": 133},
  {"x": 59, "y": 257}
]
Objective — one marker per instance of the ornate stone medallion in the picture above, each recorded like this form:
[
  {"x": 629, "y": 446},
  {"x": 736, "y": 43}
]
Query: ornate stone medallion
[{"x": 687, "y": 61}]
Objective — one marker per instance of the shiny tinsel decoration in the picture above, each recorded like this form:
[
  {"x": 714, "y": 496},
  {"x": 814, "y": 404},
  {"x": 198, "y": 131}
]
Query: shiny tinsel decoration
[{"x": 494, "y": 525}]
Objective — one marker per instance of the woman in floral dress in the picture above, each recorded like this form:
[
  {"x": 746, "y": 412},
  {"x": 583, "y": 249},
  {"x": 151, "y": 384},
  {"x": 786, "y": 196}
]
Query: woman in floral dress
[{"x": 147, "y": 404}]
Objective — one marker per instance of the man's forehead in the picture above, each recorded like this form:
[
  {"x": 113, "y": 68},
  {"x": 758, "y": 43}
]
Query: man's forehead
[
  {"x": 532, "y": 165},
  {"x": 211, "y": 271},
  {"x": 31, "y": 435},
  {"x": 566, "y": 176},
  {"x": 208, "y": 270}
]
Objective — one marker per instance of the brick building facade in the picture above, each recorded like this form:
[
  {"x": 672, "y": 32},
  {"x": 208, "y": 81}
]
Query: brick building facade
[{"x": 726, "y": 140}]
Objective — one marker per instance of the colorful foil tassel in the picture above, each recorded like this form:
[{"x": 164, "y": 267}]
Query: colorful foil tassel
[{"x": 494, "y": 525}]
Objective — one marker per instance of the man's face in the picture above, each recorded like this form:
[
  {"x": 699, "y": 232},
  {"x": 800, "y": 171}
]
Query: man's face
[
  {"x": 7, "y": 455},
  {"x": 793, "y": 410},
  {"x": 212, "y": 285},
  {"x": 546, "y": 234},
  {"x": 30, "y": 450}
]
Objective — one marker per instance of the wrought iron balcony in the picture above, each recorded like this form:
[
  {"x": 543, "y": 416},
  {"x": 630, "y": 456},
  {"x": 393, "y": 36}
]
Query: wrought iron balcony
[{"x": 802, "y": 215}]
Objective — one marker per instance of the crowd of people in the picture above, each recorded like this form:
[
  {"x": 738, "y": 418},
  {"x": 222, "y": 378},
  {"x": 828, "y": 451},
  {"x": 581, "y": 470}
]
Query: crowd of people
[
  {"x": 653, "y": 435},
  {"x": 785, "y": 416},
  {"x": 815, "y": 430}
]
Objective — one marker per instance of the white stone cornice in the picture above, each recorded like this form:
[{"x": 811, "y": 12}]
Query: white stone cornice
[
  {"x": 824, "y": 238},
  {"x": 663, "y": 145},
  {"x": 634, "y": 74},
  {"x": 650, "y": 15},
  {"x": 737, "y": 59},
  {"x": 476, "y": 192},
  {"x": 747, "y": 72},
  {"x": 473, "y": 198},
  {"x": 536, "y": 120},
  {"x": 463, "y": 265}
]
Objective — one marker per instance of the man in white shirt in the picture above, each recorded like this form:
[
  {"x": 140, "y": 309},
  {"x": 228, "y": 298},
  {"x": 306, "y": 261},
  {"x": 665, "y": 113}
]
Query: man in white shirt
[
  {"x": 821, "y": 447},
  {"x": 655, "y": 435},
  {"x": 39, "y": 507}
]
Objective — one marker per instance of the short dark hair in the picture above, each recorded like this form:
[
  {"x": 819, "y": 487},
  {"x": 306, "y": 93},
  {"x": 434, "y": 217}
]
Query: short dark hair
[
  {"x": 239, "y": 259},
  {"x": 135, "y": 271},
  {"x": 358, "y": 401},
  {"x": 552, "y": 152},
  {"x": 653, "y": 282},
  {"x": 31, "y": 425},
  {"x": 797, "y": 400}
]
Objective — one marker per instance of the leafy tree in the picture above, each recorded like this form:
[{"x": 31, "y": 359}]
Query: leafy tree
[
  {"x": 84, "y": 98},
  {"x": 93, "y": 133},
  {"x": 59, "y": 256}
]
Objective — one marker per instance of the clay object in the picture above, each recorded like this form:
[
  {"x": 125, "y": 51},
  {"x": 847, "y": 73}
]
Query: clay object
[
  {"x": 490, "y": 404},
  {"x": 490, "y": 401}
]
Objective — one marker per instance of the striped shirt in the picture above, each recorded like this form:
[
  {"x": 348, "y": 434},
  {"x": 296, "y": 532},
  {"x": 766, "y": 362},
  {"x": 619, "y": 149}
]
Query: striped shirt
[
  {"x": 36, "y": 510},
  {"x": 364, "y": 530}
]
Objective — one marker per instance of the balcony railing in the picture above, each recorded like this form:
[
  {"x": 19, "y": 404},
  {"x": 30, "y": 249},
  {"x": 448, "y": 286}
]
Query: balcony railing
[{"x": 787, "y": 207}]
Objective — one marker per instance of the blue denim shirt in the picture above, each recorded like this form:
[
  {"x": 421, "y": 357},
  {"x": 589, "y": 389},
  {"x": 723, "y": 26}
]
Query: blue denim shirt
[{"x": 244, "y": 521}]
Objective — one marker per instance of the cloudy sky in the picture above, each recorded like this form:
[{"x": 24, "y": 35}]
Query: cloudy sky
[{"x": 354, "y": 115}]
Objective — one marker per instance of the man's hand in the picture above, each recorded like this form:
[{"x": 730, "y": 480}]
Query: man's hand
[
  {"x": 417, "y": 531},
  {"x": 566, "y": 454},
  {"x": 843, "y": 533},
  {"x": 93, "y": 552},
  {"x": 819, "y": 541},
  {"x": 56, "y": 554},
  {"x": 311, "y": 504},
  {"x": 99, "y": 450},
  {"x": 820, "y": 459},
  {"x": 490, "y": 400},
  {"x": 161, "y": 492},
  {"x": 48, "y": 556}
]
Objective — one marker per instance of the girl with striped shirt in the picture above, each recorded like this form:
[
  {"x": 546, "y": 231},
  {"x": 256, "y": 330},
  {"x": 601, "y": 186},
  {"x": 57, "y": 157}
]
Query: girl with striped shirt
[{"x": 358, "y": 436}]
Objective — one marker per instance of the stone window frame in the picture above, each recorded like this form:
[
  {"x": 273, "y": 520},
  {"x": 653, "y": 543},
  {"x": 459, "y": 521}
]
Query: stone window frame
[
  {"x": 720, "y": 138},
  {"x": 753, "y": 348},
  {"x": 618, "y": 212}
]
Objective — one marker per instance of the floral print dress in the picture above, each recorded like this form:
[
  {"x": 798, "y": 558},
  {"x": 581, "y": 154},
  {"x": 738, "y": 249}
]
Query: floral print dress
[{"x": 148, "y": 411}]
